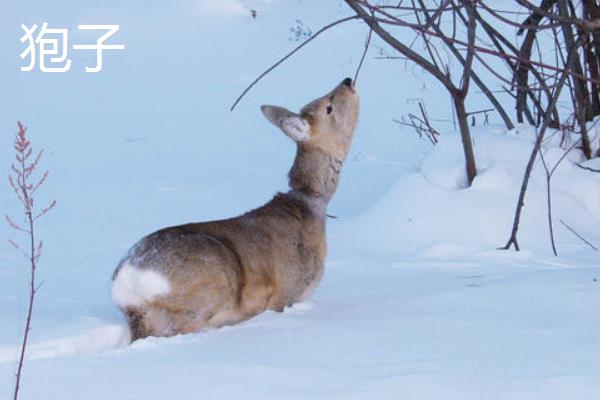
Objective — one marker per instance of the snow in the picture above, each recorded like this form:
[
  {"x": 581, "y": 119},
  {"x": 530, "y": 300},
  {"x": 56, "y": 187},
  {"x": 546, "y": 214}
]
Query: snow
[
  {"x": 98, "y": 340},
  {"x": 425, "y": 207},
  {"x": 416, "y": 301},
  {"x": 134, "y": 287}
]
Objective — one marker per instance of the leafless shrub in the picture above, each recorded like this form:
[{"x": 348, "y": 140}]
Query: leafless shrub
[{"x": 421, "y": 124}]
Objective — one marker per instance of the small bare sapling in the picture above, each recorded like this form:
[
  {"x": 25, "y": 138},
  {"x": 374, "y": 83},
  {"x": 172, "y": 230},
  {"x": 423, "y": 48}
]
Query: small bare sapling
[{"x": 24, "y": 182}]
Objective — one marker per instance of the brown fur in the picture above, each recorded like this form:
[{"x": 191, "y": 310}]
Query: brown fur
[{"x": 224, "y": 272}]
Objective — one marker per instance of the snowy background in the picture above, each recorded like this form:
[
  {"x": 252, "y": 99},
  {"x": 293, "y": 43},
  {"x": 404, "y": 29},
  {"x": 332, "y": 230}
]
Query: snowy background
[{"x": 416, "y": 302}]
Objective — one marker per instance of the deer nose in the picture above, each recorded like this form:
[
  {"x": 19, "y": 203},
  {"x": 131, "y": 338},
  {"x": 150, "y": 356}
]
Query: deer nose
[{"x": 347, "y": 82}]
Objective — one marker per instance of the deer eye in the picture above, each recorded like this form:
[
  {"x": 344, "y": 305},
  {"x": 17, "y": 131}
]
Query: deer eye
[{"x": 329, "y": 109}]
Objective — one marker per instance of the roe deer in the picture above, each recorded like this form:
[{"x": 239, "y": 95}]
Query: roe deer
[{"x": 205, "y": 275}]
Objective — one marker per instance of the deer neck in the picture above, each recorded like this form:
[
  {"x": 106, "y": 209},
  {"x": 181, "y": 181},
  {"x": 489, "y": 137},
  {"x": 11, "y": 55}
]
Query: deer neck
[{"x": 314, "y": 176}]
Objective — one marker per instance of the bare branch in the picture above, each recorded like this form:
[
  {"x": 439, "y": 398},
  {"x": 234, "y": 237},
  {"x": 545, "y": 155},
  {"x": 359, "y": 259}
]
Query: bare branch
[
  {"x": 540, "y": 137},
  {"x": 362, "y": 58},
  {"x": 288, "y": 55},
  {"x": 578, "y": 235}
]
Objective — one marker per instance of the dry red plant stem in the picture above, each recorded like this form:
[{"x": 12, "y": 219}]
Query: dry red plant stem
[{"x": 25, "y": 185}]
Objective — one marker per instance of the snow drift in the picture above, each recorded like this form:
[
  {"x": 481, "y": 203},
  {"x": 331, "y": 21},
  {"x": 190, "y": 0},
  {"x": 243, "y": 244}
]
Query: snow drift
[{"x": 431, "y": 207}]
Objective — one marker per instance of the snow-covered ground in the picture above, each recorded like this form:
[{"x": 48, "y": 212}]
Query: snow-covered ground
[{"x": 416, "y": 302}]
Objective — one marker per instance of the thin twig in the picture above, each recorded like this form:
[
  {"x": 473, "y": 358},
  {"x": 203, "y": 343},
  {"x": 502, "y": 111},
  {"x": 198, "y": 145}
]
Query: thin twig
[
  {"x": 291, "y": 53},
  {"x": 549, "y": 202},
  {"x": 578, "y": 235},
  {"x": 587, "y": 168},
  {"x": 364, "y": 54}
]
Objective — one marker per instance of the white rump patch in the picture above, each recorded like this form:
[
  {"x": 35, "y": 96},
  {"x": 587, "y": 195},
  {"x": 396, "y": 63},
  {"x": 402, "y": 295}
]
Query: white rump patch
[{"x": 134, "y": 287}]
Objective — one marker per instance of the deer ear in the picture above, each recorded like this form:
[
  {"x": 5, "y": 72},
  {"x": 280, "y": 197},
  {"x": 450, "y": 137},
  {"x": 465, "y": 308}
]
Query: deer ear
[{"x": 292, "y": 124}]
